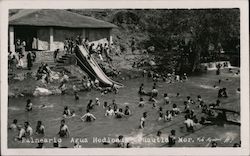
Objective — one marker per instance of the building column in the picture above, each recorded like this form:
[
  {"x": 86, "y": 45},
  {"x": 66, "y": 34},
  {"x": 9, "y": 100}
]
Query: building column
[
  {"x": 51, "y": 38},
  {"x": 83, "y": 33},
  {"x": 110, "y": 37},
  {"x": 11, "y": 39}
]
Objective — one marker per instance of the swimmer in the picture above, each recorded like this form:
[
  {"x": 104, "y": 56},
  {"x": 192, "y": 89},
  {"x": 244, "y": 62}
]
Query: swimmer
[
  {"x": 158, "y": 133},
  {"x": 171, "y": 138},
  {"x": 88, "y": 116},
  {"x": 29, "y": 105},
  {"x": 105, "y": 104},
  {"x": 142, "y": 120},
  {"x": 97, "y": 102},
  {"x": 186, "y": 108},
  {"x": 127, "y": 111},
  {"x": 43, "y": 106},
  {"x": 66, "y": 111},
  {"x": 119, "y": 113},
  {"x": 154, "y": 92},
  {"x": 77, "y": 145},
  {"x": 90, "y": 105},
  {"x": 154, "y": 105},
  {"x": 168, "y": 116},
  {"x": 238, "y": 90},
  {"x": 141, "y": 90},
  {"x": 199, "y": 99},
  {"x": 40, "y": 129},
  {"x": 151, "y": 99},
  {"x": 109, "y": 112},
  {"x": 160, "y": 114},
  {"x": 189, "y": 100},
  {"x": 141, "y": 103},
  {"x": 189, "y": 124},
  {"x": 76, "y": 96},
  {"x": 64, "y": 130},
  {"x": 175, "y": 109},
  {"x": 166, "y": 99},
  {"x": 13, "y": 126}
]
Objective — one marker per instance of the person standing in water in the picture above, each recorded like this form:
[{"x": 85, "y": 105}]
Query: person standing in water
[
  {"x": 171, "y": 139},
  {"x": 29, "y": 105},
  {"x": 90, "y": 105},
  {"x": 13, "y": 126},
  {"x": 142, "y": 120},
  {"x": 88, "y": 117},
  {"x": 127, "y": 111},
  {"x": 64, "y": 130},
  {"x": 40, "y": 129},
  {"x": 109, "y": 112}
]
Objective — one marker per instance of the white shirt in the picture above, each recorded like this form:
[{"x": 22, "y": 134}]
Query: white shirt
[
  {"x": 189, "y": 122},
  {"x": 109, "y": 112}
]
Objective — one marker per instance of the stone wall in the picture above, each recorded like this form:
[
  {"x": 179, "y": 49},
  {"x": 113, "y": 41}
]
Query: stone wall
[{"x": 43, "y": 38}]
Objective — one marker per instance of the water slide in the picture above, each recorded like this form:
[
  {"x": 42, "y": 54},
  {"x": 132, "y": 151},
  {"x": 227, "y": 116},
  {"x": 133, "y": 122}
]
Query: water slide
[{"x": 90, "y": 66}]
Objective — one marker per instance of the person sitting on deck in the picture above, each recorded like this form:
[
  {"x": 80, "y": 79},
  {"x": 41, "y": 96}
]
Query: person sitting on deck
[
  {"x": 40, "y": 129},
  {"x": 29, "y": 105},
  {"x": 88, "y": 116},
  {"x": 64, "y": 130}
]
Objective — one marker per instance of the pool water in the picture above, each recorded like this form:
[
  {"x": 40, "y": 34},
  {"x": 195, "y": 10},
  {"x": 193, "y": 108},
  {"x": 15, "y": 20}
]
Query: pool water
[{"x": 108, "y": 127}]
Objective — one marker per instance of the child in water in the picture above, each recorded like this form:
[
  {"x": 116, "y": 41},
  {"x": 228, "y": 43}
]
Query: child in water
[{"x": 88, "y": 117}]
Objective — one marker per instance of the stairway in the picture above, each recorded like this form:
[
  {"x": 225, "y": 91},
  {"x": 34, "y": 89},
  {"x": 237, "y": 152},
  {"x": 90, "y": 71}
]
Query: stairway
[{"x": 64, "y": 63}]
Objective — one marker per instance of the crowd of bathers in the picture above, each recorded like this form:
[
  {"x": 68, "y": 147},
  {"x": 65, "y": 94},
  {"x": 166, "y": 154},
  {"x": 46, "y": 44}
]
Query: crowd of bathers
[{"x": 196, "y": 111}]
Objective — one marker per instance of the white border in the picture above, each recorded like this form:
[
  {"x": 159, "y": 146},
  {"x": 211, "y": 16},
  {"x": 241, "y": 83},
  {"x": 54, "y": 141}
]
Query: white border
[{"x": 188, "y": 4}]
